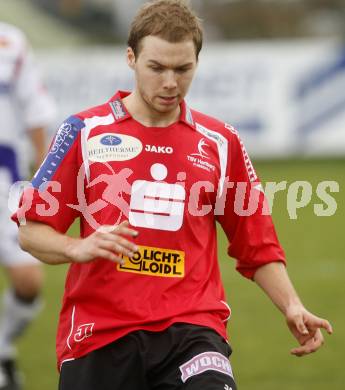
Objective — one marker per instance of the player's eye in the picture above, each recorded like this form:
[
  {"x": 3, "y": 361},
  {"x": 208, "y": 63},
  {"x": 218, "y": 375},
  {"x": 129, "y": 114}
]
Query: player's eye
[
  {"x": 157, "y": 69},
  {"x": 182, "y": 70}
]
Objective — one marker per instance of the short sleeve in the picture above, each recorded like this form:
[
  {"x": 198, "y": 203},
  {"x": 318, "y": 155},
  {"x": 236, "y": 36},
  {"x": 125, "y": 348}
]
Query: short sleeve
[
  {"x": 244, "y": 214},
  {"x": 54, "y": 187}
]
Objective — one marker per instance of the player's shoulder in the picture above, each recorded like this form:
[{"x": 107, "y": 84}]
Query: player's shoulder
[
  {"x": 215, "y": 125},
  {"x": 79, "y": 121},
  {"x": 99, "y": 111}
]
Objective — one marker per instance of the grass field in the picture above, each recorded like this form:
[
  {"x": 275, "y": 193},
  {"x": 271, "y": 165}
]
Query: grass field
[{"x": 315, "y": 248}]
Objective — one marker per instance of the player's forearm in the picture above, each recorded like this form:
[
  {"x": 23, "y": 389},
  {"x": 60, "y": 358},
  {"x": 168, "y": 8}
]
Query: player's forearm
[
  {"x": 45, "y": 243},
  {"x": 274, "y": 280}
]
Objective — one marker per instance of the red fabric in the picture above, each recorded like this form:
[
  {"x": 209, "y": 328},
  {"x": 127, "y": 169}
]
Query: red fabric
[{"x": 102, "y": 302}]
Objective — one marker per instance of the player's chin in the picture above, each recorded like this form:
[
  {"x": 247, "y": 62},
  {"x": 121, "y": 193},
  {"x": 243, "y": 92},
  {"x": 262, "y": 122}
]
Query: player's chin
[{"x": 165, "y": 108}]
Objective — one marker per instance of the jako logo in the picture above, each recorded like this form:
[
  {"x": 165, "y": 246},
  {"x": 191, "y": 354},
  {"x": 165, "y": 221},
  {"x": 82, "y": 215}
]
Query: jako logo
[
  {"x": 111, "y": 140},
  {"x": 159, "y": 149}
]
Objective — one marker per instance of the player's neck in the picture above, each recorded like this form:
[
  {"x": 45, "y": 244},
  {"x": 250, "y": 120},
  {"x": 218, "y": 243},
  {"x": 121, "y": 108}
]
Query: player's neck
[{"x": 142, "y": 113}]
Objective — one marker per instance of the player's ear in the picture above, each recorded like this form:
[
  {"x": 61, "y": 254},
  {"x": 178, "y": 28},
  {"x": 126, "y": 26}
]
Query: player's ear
[{"x": 130, "y": 57}]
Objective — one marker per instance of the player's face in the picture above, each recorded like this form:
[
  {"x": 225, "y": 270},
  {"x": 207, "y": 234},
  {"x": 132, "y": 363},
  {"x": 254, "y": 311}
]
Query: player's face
[{"x": 164, "y": 72}]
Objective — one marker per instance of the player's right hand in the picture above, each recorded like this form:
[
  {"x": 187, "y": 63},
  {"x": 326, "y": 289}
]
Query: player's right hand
[
  {"x": 108, "y": 242},
  {"x": 306, "y": 327}
]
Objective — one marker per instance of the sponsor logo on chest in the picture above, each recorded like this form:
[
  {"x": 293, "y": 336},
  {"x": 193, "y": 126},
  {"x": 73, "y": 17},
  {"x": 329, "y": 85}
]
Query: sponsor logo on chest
[
  {"x": 113, "y": 147},
  {"x": 201, "y": 158},
  {"x": 155, "y": 262}
]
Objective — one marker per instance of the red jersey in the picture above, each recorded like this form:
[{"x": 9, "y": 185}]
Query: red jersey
[{"x": 172, "y": 184}]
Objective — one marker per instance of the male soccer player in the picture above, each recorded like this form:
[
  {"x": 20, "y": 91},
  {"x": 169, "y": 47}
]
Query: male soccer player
[
  {"x": 25, "y": 111},
  {"x": 144, "y": 306}
]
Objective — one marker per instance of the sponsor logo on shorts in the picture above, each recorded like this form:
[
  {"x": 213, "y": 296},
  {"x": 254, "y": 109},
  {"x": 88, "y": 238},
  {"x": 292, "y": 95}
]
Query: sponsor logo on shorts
[
  {"x": 155, "y": 262},
  {"x": 206, "y": 361},
  {"x": 113, "y": 147}
]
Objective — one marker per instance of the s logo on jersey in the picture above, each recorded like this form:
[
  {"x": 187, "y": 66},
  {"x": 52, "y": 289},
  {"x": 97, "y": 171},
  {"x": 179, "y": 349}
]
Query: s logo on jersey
[{"x": 155, "y": 204}]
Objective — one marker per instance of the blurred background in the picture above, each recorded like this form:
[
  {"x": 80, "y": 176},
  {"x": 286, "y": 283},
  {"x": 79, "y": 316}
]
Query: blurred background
[{"x": 275, "y": 69}]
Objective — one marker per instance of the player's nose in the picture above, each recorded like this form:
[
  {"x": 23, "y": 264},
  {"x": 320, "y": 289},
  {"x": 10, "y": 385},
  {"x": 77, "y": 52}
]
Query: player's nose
[{"x": 170, "y": 81}]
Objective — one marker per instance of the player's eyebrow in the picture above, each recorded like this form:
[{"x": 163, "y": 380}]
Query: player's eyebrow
[{"x": 186, "y": 65}]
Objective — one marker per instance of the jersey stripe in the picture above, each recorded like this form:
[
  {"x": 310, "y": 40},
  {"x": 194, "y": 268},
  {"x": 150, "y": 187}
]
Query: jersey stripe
[
  {"x": 222, "y": 146},
  {"x": 249, "y": 166},
  {"x": 63, "y": 142}
]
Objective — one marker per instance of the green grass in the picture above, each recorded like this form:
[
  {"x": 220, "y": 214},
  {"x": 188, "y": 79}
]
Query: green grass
[{"x": 315, "y": 248}]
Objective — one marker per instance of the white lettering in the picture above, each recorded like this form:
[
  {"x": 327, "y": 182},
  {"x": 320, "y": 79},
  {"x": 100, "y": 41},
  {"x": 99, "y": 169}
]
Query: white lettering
[
  {"x": 216, "y": 361},
  {"x": 293, "y": 203},
  {"x": 205, "y": 361},
  {"x": 159, "y": 149},
  {"x": 193, "y": 368},
  {"x": 52, "y": 202},
  {"x": 270, "y": 190},
  {"x": 320, "y": 209},
  {"x": 247, "y": 198},
  {"x": 194, "y": 199}
]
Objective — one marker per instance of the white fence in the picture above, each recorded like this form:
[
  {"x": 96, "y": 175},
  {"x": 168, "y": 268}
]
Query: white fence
[{"x": 285, "y": 97}]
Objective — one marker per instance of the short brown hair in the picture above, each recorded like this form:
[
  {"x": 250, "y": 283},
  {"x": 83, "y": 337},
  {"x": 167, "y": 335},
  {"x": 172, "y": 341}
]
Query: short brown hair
[{"x": 172, "y": 20}]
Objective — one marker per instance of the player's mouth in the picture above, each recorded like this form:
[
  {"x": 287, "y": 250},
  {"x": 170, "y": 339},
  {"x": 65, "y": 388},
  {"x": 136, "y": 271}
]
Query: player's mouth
[{"x": 167, "y": 100}]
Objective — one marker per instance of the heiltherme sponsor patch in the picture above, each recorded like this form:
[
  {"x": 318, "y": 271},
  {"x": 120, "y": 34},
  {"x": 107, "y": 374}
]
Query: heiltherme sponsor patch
[
  {"x": 113, "y": 147},
  {"x": 155, "y": 262}
]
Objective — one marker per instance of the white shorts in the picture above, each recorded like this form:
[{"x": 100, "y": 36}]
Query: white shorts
[{"x": 11, "y": 255}]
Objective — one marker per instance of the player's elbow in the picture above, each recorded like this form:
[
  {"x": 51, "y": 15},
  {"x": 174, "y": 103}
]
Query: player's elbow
[
  {"x": 22, "y": 238},
  {"x": 24, "y": 233}
]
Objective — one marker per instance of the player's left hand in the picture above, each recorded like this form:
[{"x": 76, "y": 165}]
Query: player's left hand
[{"x": 306, "y": 327}]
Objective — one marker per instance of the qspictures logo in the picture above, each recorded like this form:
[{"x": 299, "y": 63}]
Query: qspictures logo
[{"x": 155, "y": 262}]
